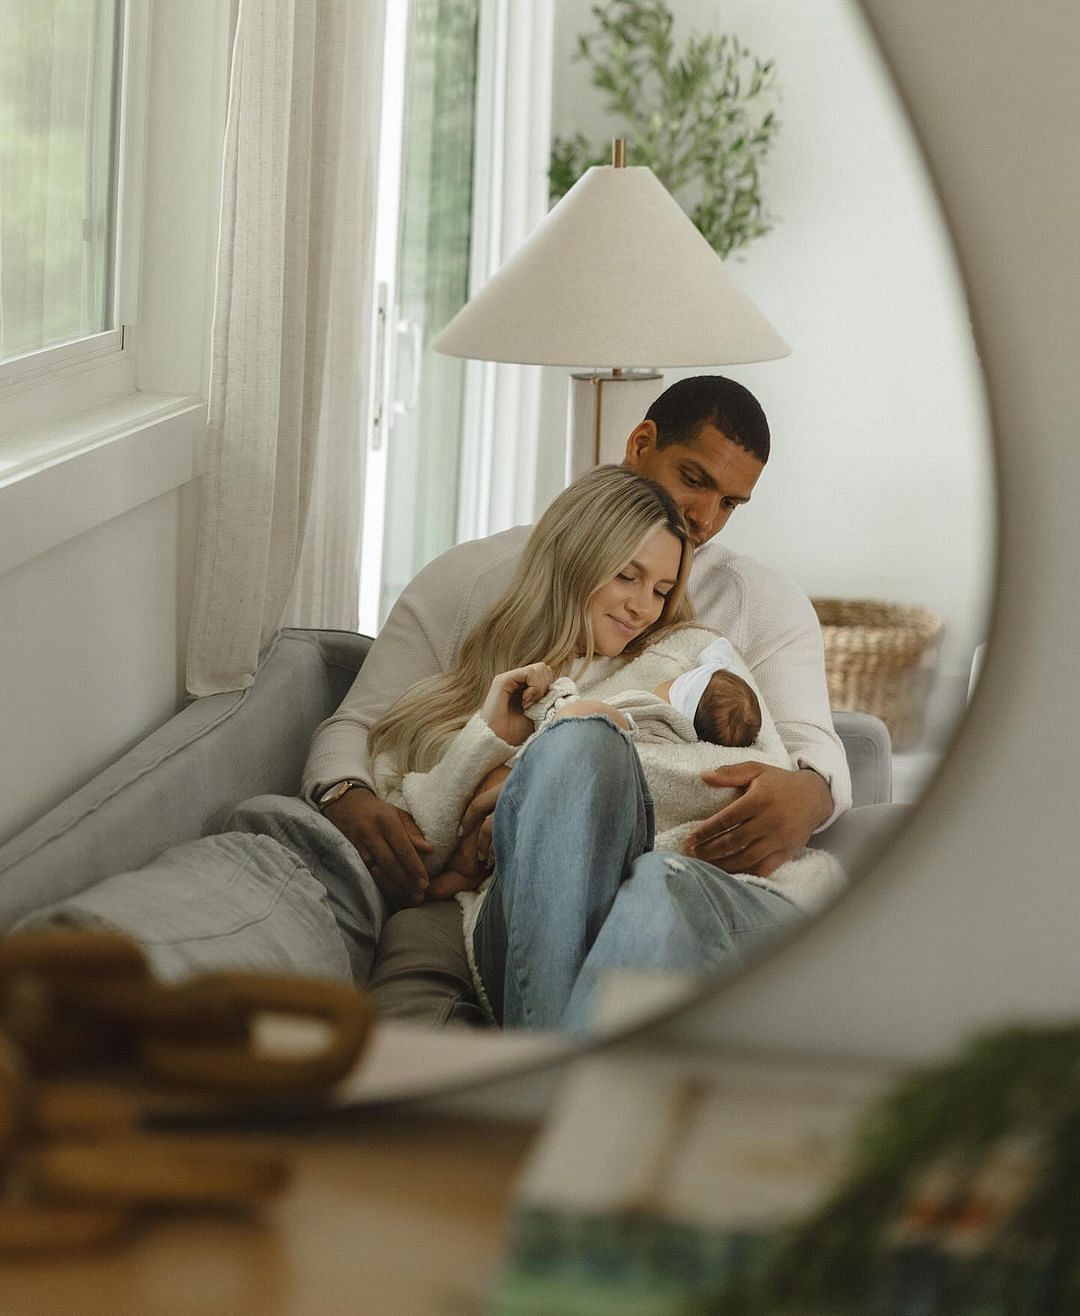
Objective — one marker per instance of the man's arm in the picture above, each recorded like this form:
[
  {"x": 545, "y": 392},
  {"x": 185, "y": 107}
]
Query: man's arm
[{"x": 386, "y": 837}]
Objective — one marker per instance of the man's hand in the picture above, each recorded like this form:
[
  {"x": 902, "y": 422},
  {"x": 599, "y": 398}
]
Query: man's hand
[
  {"x": 775, "y": 816},
  {"x": 387, "y": 840}
]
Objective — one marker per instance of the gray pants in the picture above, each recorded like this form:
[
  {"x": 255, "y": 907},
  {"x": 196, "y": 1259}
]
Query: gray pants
[{"x": 280, "y": 889}]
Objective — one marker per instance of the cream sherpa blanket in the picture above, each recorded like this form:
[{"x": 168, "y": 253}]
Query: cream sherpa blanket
[{"x": 437, "y": 799}]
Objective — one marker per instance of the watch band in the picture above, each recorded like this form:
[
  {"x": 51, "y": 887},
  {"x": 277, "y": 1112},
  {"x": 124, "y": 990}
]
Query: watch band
[{"x": 337, "y": 790}]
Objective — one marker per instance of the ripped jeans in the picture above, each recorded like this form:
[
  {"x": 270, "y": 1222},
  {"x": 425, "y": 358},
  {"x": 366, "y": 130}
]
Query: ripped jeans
[{"x": 577, "y": 890}]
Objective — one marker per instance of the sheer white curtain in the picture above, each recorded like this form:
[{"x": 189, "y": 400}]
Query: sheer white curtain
[
  {"x": 501, "y": 432},
  {"x": 282, "y": 468}
]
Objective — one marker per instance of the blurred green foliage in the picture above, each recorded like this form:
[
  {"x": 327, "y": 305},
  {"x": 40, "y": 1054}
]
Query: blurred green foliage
[{"x": 702, "y": 119}]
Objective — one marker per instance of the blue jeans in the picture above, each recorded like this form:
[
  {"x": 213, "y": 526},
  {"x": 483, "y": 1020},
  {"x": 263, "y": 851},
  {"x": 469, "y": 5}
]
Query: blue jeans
[{"x": 577, "y": 891}]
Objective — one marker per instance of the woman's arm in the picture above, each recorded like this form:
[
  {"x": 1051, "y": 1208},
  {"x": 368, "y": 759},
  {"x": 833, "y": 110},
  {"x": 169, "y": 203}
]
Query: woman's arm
[{"x": 437, "y": 798}]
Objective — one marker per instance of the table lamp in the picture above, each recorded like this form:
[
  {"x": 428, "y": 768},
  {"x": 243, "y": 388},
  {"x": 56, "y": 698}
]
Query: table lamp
[{"x": 617, "y": 275}]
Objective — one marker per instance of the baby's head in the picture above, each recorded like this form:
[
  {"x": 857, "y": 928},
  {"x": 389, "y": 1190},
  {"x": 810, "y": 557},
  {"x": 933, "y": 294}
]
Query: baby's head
[
  {"x": 722, "y": 706},
  {"x": 728, "y": 712}
]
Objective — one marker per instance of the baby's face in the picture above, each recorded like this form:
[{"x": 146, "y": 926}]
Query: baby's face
[{"x": 663, "y": 690}]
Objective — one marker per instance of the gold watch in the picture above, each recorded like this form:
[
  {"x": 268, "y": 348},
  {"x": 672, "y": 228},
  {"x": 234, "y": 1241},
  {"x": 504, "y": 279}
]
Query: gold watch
[{"x": 337, "y": 790}]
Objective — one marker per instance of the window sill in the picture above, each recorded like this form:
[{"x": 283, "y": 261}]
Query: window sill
[{"x": 63, "y": 479}]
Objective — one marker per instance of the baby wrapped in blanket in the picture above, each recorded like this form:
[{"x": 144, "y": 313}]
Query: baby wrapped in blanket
[{"x": 705, "y": 718}]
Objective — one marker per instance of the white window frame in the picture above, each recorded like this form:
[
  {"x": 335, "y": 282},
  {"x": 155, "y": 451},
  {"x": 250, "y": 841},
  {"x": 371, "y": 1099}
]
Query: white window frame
[
  {"x": 43, "y": 386},
  {"x": 383, "y": 365},
  {"x": 92, "y": 429}
]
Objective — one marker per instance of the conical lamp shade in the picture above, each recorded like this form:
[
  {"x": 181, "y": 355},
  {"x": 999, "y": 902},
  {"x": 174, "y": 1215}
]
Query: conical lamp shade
[{"x": 615, "y": 275}]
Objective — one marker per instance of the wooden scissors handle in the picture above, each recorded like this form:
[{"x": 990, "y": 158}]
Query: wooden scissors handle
[
  {"x": 72, "y": 952},
  {"x": 13, "y": 1099}
]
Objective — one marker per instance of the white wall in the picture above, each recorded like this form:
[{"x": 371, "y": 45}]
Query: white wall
[
  {"x": 880, "y": 484},
  {"x": 91, "y": 652},
  {"x": 971, "y": 919},
  {"x": 94, "y": 628}
]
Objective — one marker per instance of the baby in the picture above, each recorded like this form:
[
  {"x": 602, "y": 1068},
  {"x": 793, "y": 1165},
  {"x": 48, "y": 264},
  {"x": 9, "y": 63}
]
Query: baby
[{"x": 719, "y": 706}]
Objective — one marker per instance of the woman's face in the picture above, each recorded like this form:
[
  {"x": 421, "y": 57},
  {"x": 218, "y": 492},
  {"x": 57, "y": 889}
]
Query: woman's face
[{"x": 631, "y": 602}]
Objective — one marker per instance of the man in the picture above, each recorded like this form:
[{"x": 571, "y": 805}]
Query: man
[{"x": 706, "y": 440}]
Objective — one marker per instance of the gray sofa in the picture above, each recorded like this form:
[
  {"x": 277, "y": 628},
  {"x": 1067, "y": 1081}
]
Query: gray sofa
[{"x": 182, "y": 780}]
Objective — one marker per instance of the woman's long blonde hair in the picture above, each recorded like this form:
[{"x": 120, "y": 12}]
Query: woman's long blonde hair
[{"x": 587, "y": 535}]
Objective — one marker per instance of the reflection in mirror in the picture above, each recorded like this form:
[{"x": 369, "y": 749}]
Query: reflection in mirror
[
  {"x": 880, "y": 481},
  {"x": 879, "y": 445},
  {"x": 877, "y": 497},
  {"x": 877, "y": 487}
]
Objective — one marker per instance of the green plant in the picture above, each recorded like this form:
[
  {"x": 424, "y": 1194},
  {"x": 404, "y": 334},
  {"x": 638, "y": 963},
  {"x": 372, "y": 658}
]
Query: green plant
[{"x": 703, "y": 120}]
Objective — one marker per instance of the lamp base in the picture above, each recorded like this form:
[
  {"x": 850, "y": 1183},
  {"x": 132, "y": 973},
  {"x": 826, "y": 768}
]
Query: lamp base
[{"x": 602, "y": 409}]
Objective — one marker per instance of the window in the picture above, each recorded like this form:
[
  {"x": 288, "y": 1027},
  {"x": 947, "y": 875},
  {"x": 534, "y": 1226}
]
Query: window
[
  {"x": 109, "y": 238},
  {"x": 432, "y": 281},
  {"x": 60, "y": 68},
  {"x": 462, "y": 181}
]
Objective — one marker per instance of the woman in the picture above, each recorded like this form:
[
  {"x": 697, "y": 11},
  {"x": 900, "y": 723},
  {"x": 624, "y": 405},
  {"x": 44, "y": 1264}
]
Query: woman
[
  {"x": 603, "y": 576},
  {"x": 604, "y": 570}
]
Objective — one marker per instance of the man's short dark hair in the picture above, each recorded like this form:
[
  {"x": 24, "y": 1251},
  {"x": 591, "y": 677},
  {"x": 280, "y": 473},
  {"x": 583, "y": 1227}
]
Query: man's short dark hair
[{"x": 681, "y": 410}]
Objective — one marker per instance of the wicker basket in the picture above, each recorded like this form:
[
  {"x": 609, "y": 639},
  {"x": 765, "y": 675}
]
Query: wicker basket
[{"x": 880, "y": 658}]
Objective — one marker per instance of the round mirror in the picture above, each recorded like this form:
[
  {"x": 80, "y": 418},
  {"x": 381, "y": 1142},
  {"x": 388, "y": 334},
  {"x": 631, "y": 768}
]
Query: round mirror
[{"x": 876, "y": 502}]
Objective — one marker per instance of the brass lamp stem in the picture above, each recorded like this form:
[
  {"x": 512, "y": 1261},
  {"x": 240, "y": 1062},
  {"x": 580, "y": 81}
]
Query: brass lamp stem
[{"x": 618, "y": 161}]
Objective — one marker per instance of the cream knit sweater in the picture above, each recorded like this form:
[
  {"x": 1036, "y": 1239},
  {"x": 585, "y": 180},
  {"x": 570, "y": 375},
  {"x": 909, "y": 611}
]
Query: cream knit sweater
[{"x": 766, "y": 617}]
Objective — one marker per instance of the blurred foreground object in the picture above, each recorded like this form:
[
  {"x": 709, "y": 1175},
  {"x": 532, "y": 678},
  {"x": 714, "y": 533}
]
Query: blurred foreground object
[
  {"x": 756, "y": 1185},
  {"x": 93, "y": 1049}
]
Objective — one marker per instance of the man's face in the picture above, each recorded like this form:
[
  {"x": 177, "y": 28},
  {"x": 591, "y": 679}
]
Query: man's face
[{"x": 708, "y": 478}]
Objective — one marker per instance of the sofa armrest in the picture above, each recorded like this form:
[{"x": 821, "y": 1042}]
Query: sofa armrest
[
  {"x": 185, "y": 777},
  {"x": 860, "y": 834},
  {"x": 868, "y": 747}
]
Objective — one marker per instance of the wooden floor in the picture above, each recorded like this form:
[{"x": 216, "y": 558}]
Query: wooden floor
[{"x": 401, "y": 1214}]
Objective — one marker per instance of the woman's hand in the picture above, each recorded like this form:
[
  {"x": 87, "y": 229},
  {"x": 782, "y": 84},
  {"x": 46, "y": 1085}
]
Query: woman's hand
[
  {"x": 510, "y": 694},
  {"x": 449, "y": 882},
  {"x": 472, "y": 860}
]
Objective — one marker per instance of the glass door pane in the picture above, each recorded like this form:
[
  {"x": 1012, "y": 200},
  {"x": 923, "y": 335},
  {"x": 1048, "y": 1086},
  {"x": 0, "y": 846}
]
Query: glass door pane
[{"x": 424, "y": 438}]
